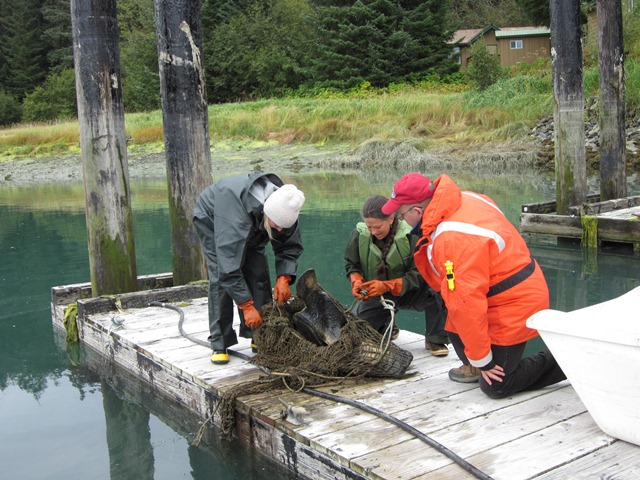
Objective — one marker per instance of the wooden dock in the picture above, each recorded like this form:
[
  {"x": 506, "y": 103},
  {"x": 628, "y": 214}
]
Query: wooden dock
[
  {"x": 618, "y": 220},
  {"x": 546, "y": 434}
]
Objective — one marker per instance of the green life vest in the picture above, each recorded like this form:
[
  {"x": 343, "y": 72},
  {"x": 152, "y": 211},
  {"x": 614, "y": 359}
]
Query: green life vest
[{"x": 370, "y": 254}]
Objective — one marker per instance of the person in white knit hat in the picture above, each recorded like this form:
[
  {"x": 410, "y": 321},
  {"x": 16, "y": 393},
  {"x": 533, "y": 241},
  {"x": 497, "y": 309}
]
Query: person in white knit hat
[{"x": 235, "y": 218}]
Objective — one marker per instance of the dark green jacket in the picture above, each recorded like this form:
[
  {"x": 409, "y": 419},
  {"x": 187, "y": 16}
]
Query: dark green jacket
[
  {"x": 399, "y": 261},
  {"x": 236, "y": 205}
]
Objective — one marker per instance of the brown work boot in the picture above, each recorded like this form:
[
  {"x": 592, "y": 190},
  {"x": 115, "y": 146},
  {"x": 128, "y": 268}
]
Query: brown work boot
[
  {"x": 465, "y": 374},
  {"x": 436, "y": 349}
]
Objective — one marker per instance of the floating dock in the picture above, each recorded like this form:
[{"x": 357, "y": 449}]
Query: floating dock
[
  {"x": 545, "y": 434},
  {"x": 617, "y": 220}
]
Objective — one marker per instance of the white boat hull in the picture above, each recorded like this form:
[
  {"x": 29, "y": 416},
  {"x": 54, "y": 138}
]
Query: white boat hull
[{"x": 598, "y": 348}]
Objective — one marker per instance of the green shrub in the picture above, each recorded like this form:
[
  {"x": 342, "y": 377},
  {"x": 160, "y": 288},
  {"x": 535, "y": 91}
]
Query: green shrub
[
  {"x": 55, "y": 100},
  {"x": 10, "y": 109},
  {"x": 632, "y": 85},
  {"x": 484, "y": 69}
]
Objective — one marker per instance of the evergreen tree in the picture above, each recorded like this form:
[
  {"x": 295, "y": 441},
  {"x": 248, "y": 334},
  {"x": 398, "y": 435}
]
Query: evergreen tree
[
  {"x": 260, "y": 52},
  {"x": 482, "y": 13},
  {"x": 4, "y": 68},
  {"x": 214, "y": 13},
  {"x": 138, "y": 55},
  {"x": 23, "y": 49},
  {"x": 56, "y": 34},
  {"x": 538, "y": 13},
  {"x": 381, "y": 41}
]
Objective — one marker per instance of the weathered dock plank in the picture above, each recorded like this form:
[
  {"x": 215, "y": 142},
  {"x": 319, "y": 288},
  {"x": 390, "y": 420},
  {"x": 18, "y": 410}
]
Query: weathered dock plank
[
  {"x": 536, "y": 452},
  {"x": 608, "y": 206},
  {"x": 546, "y": 433},
  {"x": 615, "y": 460},
  {"x": 618, "y": 220}
]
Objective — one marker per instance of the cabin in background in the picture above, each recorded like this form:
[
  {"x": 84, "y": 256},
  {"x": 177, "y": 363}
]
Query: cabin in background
[{"x": 512, "y": 44}]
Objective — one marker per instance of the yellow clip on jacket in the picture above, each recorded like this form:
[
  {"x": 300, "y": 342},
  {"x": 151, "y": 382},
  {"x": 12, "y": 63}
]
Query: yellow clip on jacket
[{"x": 469, "y": 229}]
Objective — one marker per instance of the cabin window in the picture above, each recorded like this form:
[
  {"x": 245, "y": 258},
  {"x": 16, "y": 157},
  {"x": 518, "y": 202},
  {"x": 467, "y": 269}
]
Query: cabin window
[
  {"x": 515, "y": 44},
  {"x": 456, "y": 54}
]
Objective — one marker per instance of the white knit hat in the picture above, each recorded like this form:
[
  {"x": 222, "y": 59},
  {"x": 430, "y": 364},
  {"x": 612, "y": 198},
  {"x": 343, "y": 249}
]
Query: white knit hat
[{"x": 283, "y": 205}]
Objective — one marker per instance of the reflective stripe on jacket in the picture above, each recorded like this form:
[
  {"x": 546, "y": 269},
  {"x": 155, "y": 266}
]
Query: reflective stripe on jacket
[{"x": 469, "y": 229}]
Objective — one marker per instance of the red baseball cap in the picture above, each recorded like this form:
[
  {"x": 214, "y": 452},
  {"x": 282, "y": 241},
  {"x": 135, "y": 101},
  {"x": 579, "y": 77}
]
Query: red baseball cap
[{"x": 411, "y": 188}]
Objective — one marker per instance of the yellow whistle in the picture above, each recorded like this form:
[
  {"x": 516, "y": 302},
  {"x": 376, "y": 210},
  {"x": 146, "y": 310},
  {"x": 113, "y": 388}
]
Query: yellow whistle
[{"x": 448, "y": 266}]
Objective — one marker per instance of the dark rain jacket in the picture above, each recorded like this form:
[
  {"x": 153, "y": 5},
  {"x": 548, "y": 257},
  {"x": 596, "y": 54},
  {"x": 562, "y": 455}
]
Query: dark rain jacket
[{"x": 235, "y": 204}]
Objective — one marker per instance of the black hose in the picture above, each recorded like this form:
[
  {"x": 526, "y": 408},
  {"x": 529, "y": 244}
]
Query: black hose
[
  {"x": 354, "y": 403},
  {"x": 191, "y": 337},
  {"x": 404, "y": 426}
]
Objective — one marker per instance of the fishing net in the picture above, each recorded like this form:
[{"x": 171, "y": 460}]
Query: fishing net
[{"x": 293, "y": 359}]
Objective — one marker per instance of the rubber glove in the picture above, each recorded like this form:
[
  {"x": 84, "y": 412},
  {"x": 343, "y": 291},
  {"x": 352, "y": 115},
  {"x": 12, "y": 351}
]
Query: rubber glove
[
  {"x": 282, "y": 292},
  {"x": 252, "y": 318},
  {"x": 356, "y": 284},
  {"x": 375, "y": 288}
]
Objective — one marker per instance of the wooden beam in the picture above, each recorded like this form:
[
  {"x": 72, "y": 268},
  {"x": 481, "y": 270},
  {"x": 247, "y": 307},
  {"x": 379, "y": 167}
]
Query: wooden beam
[{"x": 606, "y": 206}]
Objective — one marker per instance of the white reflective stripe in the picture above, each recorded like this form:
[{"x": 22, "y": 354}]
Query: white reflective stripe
[
  {"x": 483, "y": 361},
  {"x": 478, "y": 197},
  {"x": 429, "y": 257},
  {"x": 465, "y": 228},
  {"x": 471, "y": 230}
]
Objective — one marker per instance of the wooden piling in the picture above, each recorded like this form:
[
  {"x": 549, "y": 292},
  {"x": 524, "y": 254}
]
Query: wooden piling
[
  {"x": 186, "y": 128},
  {"x": 103, "y": 146},
  {"x": 568, "y": 114},
  {"x": 613, "y": 179}
]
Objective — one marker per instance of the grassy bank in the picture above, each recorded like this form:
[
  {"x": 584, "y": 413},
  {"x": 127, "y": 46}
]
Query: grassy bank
[{"x": 505, "y": 112}]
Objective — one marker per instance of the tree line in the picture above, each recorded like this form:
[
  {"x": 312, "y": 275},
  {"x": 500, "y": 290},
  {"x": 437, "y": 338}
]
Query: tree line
[{"x": 252, "y": 48}]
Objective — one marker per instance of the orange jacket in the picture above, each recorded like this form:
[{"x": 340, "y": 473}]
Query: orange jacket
[{"x": 469, "y": 229}]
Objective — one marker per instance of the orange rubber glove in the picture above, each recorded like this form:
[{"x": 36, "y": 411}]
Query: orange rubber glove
[
  {"x": 282, "y": 292},
  {"x": 356, "y": 284},
  {"x": 375, "y": 288},
  {"x": 252, "y": 318}
]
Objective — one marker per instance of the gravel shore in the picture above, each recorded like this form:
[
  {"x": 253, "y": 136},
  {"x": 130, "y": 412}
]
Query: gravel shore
[
  {"x": 281, "y": 159},
  {"x": 227, "y": 159}
]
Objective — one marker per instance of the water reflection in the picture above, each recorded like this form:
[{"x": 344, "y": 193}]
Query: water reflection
[{"x": 81, "y": 418}]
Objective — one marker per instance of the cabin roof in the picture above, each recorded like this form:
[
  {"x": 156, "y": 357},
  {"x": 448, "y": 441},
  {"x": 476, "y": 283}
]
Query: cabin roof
[
  {"x": 522, "y": 32},
  {"x": 470, "y": 35}
]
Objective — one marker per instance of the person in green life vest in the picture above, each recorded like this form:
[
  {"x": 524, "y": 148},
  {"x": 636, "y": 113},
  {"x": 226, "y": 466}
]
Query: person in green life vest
[{"x": 379, "y": 263}]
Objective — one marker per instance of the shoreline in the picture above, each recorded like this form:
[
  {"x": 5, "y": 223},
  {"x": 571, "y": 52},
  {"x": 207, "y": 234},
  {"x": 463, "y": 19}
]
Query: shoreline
[{"x": 290, "y": 159}]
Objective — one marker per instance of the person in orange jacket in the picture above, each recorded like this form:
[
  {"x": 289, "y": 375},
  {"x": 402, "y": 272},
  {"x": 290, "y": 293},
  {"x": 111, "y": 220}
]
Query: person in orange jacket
[
  {"x": 470, "y": 253},
  {"x": 235, "y": 218},
  {"x": 379, "y": 261}
]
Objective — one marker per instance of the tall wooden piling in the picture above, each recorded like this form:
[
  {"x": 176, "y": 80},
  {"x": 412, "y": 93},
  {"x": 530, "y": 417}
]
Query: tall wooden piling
[
  {"x": 186, "y": 127},
  {"x": 613, "y": 178},
  {"x": 103, "y": 146},
  {"x": 568, "y": 114}
]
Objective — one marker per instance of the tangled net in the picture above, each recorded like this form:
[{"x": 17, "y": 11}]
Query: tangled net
[{"x": 293, "y": 362}]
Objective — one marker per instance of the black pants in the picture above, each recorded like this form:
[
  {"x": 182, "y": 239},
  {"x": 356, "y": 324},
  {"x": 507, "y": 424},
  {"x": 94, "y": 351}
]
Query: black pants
[
  {"x": 255, "y": 270},
  {"x": 521, "y": 374},
  {"x": 423, "y": 300}
]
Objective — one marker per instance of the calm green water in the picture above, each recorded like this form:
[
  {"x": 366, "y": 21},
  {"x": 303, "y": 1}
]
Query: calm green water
[{"x": 65, "y": 414}]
